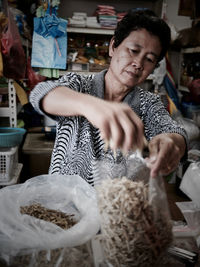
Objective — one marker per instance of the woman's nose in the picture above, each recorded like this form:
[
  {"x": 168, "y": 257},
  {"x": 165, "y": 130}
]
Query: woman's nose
[{"x": 138, "y": 63}]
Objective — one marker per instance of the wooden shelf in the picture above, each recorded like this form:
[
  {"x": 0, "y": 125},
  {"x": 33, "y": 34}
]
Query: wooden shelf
[
  {"x": 191, "y": 50},
  {"x": 183, "y": 88},
  {"x": 90, "y": 30}
]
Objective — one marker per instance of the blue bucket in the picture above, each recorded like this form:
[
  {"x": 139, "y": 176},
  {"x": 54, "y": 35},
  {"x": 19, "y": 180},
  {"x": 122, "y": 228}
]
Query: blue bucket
[{"x": 11, "y": 136}]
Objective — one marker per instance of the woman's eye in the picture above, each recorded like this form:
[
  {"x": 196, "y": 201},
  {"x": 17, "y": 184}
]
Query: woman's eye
[
  {"x": 134, "y": 51},
  {"x": 150, "y": 60}
]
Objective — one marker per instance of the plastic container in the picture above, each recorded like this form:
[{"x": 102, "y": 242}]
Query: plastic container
[
  {"x": 8, "y": 163},
  {"x": 11, "y": 137}
]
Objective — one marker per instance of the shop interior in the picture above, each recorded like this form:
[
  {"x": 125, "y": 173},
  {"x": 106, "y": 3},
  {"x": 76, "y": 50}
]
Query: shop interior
[{"x": 27, "y": 138}]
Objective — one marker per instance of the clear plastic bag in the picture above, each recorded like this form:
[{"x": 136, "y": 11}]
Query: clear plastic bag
[
  {"x": 21, "y": 234},
  {"x": 136, "y": 228},
  {"x": 132, "y": 166}
]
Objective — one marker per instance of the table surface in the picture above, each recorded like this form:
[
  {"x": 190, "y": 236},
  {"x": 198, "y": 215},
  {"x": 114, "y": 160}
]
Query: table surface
[{"x": 37, "y": 143}]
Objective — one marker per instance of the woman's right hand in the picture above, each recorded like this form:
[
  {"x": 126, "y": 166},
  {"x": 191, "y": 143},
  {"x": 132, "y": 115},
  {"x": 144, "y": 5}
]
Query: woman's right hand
[{"x": 119, "y": 125}]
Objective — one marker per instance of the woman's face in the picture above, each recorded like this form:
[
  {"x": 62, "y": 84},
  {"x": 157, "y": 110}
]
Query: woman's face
[{"x": 135, "y": 58}]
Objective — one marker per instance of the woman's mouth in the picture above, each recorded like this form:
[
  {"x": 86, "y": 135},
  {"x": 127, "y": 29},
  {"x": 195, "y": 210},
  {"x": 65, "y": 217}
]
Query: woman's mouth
[{"x": 133, "y": 74}]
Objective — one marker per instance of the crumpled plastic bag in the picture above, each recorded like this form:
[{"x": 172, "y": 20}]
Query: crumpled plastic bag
[{"x": 23, "y": 234}]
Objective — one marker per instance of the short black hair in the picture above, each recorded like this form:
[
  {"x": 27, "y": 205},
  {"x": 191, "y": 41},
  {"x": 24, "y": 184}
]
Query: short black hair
[{"x": 143, "y": 19}]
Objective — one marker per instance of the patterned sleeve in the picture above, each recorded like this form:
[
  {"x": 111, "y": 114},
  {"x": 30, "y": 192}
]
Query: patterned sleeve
[
  {"x": 71, "y": 80},
  {"x": 157, "y": 119}
]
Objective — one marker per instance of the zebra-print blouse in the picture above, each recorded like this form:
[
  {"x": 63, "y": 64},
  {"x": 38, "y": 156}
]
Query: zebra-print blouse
[{"x": 78, "y": 144}]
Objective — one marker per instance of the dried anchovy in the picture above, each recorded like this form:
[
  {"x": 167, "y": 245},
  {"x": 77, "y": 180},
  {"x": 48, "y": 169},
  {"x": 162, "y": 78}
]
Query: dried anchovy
[
  {"x": 132, "y": 234},
  {"x": 59, "y": 218}
]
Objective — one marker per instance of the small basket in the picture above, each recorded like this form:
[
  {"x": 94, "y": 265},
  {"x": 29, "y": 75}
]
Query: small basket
[
  {"x": 8, "y": 163},
  {"x": 11, "y": 137}
]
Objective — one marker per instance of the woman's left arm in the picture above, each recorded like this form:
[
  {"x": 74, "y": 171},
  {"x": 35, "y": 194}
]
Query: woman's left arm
[{"x": 168, "y": 140}]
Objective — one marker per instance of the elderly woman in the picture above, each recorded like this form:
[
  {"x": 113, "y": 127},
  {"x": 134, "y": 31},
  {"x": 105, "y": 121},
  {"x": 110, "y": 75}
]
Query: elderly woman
[{"x": 91, "y": 110}]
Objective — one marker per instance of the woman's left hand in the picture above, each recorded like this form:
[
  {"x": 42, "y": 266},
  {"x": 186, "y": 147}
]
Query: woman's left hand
[{"x": 165, "y": 152}]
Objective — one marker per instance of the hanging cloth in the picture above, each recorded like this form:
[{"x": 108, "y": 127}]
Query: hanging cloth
[
  {"x": 170, "y": 85},
  {"x": 49, "y": 45},
  {"x": 14, "y": 59}
]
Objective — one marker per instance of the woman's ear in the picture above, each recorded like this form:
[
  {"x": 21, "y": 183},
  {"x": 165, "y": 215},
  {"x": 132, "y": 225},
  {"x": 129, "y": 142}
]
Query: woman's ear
[{"x": 111, "y": 47}]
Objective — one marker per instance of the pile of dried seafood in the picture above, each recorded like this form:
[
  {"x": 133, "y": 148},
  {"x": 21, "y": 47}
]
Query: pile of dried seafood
[
  {"x": 132, "y": 234},
  {"x": 59, "y": 218}
]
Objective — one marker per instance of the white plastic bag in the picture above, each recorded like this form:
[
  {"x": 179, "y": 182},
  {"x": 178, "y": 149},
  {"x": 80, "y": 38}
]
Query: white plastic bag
[
  {"x": 190, "y": 184},
  {"x": 23, "y": 234}
]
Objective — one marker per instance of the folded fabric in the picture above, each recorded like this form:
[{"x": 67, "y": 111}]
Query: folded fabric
[{"x": 50, "y": 25}]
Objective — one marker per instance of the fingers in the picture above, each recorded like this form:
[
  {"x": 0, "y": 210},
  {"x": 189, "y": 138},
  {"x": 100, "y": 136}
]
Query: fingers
[
  {"x": 164, "y": 156},
  {"x": 123, "y": 129},
  {"x": 119, "y": 125},
  {"x": 129, "y": 137}
]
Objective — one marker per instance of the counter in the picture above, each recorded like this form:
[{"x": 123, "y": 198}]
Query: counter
[{"x": 36, "y": 153}]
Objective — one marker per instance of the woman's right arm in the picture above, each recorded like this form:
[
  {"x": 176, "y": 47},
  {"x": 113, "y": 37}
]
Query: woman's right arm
[
  {"x": 63, "y": 101},
  {"x": 116, "y": 121}
]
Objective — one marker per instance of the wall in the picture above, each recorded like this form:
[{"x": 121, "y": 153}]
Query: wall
[{"x": 180, "y": 22}]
